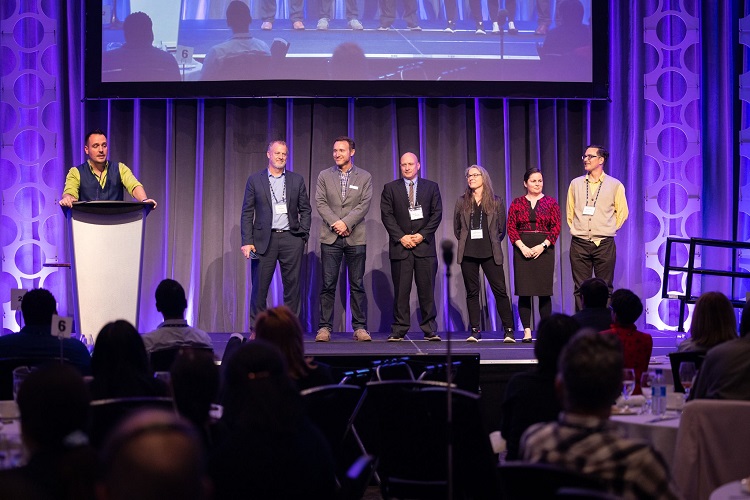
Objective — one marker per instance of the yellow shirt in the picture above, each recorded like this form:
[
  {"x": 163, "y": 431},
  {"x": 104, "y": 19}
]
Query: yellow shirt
[{"x": 73, "y": 179}]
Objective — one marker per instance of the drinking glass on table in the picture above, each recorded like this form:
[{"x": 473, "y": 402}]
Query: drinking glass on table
[
  {"x": 687, "y": 376},
  {"x": 647, "y": 379},
  {"x": 628, "y": 385}
]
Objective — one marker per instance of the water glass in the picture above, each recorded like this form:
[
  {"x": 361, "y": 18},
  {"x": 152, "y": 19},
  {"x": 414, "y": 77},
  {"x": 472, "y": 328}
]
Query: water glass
[
  {"x": 647, "y": 380},
  {"x": 687, "y": 376},
  {"x": 628, "y": 385}
]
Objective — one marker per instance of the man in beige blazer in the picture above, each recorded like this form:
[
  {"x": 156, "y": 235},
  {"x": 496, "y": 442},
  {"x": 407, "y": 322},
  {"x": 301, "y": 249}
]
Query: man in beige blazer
[{"x": 343, "y": 197}]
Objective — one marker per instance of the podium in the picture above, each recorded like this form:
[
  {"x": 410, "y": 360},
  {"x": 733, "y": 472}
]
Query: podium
[{"x": 106, "y": 253}]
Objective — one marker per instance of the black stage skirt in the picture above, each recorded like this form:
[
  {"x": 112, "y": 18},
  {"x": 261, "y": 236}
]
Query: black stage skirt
[{"x": 533, "y": 277}]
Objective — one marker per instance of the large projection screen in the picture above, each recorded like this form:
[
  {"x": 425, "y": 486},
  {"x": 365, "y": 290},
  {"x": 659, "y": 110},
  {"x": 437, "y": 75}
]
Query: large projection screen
[{"x": 189, "y": 48}]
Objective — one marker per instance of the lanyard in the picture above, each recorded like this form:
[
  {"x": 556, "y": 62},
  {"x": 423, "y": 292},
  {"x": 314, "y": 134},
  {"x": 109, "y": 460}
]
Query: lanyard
[
  {"x": 283, "y": 195},
  {"x": 598, "y": 190},
  {"x": 471, "y": 218}
]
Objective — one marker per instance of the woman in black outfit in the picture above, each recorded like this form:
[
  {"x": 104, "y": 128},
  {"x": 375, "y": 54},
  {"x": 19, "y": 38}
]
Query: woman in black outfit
[{"x": 479, "y": 226}]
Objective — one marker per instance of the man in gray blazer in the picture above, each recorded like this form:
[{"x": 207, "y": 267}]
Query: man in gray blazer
[
  {"x": 275, "y": 224},
  {"x": 343, "y": 198}
]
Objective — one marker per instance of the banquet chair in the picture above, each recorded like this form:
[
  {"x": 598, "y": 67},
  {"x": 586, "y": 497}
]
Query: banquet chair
[
  {"x": 161, "y": 360},
  {"x": 395, "y": 370},
  {"x": 105, "y": 414},
  {"x": 7, "y": 365},
  {"x": 521, "y": 480},
  {"x": 712, "y": 446},
  {"x": 675, "y": 358},
  {"x": 411, "y": 438}
]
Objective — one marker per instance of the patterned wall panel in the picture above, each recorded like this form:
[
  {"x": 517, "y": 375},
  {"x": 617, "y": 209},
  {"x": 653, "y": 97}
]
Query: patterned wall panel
[
  {"x": 743, "y": 222},
  {"x": 30, "y": 219},
  {"x": 672, "y": 167}
]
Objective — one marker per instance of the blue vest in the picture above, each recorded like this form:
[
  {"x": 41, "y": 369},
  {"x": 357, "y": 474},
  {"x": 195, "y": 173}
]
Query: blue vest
[{"x": 91, "y": 190}]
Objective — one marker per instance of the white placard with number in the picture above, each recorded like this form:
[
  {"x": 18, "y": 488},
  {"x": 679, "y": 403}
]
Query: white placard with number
[
  {"x": 62, "y": 326},
  {"x": 16, "y": 296},
  {"x": 184, "y": 55}
]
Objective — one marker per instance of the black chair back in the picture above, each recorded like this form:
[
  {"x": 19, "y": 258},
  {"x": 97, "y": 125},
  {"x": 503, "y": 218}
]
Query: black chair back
[
  {"x": 105, "y": 414},
  {"x": 7, "y": 365},
  {"x": 520, "y": 480},
  {"x": 161, "y": 360},
  {"x": 358, "y": 477},
  {"x": 675, "y": 358}
]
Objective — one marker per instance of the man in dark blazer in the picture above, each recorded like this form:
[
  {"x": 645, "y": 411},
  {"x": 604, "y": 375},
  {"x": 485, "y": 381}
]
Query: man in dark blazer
[
  {"x": 411, "y": 210},
  {"x": 275, "y": 225}
]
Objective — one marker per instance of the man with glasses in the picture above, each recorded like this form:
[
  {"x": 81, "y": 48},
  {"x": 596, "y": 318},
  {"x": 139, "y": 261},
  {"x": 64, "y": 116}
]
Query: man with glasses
[{"x": 596, "y": 209}]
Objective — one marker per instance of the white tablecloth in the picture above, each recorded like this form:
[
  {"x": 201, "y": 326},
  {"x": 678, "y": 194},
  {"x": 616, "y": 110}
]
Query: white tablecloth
[{"x": 662, "y": 434}]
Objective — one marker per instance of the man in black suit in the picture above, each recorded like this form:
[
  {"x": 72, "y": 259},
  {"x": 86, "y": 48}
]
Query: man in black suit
[
  {"x": 275, "y": 226},
  {"x": 411, "y": 211}
]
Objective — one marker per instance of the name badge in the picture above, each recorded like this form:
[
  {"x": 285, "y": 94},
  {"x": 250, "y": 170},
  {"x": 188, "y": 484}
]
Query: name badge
[
  {"x": 416, "y": 213},
  {"x": 353, "y": 187},
  {"x": 588, "y": 210},
  {"x": 476, "y": 234},
  {"x": 280, "y": 208}
]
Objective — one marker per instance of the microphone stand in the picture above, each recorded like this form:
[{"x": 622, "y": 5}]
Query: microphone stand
[{"x": 447, "y": 247}]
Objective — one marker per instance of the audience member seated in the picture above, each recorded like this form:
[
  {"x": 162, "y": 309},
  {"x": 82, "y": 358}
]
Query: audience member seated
[
  {"x": 174, "y": 331},
  {"x": 35, "y": 339},
  {"x": 241, "y": 57},
  {"x": 588, "y": 382},
  {"x": 725, "y": 373},
  {"x": 270, "y": 450},
  {"x": 530, "y": 396},
  {"x": 54, "y": 404},
  {"x": 281, "y": 327},
  {"x": 626, "y": 309},
  {"x": 154, "y": 455},
  {"x": 120, "y": 365},
  {"x": 195, "y": 386},
  {"x": 571, "y": 37},
  {"x": 138, "y": 60},
  {"x": 713, "y": 322},
  {"x": 595, "y": 314}
]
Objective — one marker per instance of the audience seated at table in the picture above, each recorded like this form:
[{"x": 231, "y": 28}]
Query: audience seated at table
[
  {"x": 154, "y": 455},
  {"x": 271, "y": 449},
  {"x": 626, "y": 309},
  {"x": 583, "y": 439},
  {"x": 35, "y": 339},
  {"x": 119, "y": 364},
  {"x": 530, "y": 397},
  {"x": 54, "y": 406},
  {"x": 174, "y": 331},
  {"x": 281, "y": 327},
  {"x": 595, "y": 314},
  {"x": 725, "y": 373},
  {"x": 195, "y": 386},
  {"x": 713, "y": 322}
]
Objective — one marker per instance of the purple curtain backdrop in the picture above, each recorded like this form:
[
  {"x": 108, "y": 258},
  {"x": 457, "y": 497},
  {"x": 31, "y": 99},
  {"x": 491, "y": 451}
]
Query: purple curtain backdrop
[{"x": 194, "y": 156}]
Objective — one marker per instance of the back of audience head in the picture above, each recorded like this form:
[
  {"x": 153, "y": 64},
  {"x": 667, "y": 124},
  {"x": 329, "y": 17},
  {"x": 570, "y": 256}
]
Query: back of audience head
[
  {"x": 745, "y": 320},
  {"x": 281, "y": 327},
  {"x": 195, "y": 384},
  {"x": 54, "y": 404},
  {"x": 590, "y": 373},
  {"x": 138, "y": 30},
  {"x": 551, "y": 336},
  {"x": 713, "y": 322},
  {"x": 626, "y": 306},
  {"x": 571, "y": 12},
  {"x": 258, "y": 392},
  {"x": 37, "y": 307},
  {"x": 154, "y": 455},
  {"x": 170, "y": 299},
  {"x": 118, "y": 348},
  {"x": 349, "y": 62},
  {"x": 238, "y": 16},
  {"x": 594, "y": 293}
]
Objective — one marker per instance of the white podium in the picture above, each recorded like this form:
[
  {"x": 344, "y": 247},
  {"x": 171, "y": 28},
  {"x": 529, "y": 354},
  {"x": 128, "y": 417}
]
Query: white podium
[{"x": 106, "y": 252}]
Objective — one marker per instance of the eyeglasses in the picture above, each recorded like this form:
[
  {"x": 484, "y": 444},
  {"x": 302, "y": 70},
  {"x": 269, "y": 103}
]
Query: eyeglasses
[
  {"x": 473, "y": 176},
  {"x": 590, "y": 157}
]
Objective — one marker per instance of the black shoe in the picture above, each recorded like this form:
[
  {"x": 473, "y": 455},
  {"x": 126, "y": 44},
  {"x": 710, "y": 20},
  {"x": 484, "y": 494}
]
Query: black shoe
[
  {"x": 509, "y": 336},
  {"x": 475, "y": 336},
  {"x": 451, "y": 27},
  {"x": 395, "y": 338},
  {"x": 432, "y": 336}
]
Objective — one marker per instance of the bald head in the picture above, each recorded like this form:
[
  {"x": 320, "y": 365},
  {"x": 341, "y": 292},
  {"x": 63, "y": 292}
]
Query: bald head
[{"x": 409, "y": 166}]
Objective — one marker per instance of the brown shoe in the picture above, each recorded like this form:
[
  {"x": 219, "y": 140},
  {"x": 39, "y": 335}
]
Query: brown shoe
[
  {"x": 361, "y": 335},
  {"x": 298, "y": 25},
  {"x": 324, "y": 335}
]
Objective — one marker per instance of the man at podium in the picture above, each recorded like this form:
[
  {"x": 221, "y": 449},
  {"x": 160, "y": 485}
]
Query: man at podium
[{"x": 94, "y": 180}]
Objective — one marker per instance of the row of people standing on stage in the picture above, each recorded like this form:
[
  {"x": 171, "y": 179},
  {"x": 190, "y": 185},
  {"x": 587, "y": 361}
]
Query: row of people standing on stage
[{"x": 276, "y": 218}]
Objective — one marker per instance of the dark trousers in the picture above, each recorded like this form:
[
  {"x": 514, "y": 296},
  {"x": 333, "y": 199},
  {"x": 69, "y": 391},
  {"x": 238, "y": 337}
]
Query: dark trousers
[
  {"x": 388, "y": 12},
  {"x": 287, "y": 250},
  {"x": 496, "y": 278},
  {"x": 524, "y": 308},
  {"x": 330, "y": 256},
  {"x": 326, "y": 9},
  {"x": 268, "y": 10},
  {"x": 451, "y": 10},
  {"x": 586, "y": 257},
  {"x": 423, "y": 270}
]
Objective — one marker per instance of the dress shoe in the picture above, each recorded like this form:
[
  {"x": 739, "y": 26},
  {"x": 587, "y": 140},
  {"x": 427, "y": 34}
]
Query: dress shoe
[
  {"x": 267, "y": 25},
  {"x": 509, "y": 336},
  {"x": 526, "y": 336},
  {"x": 395, "y": 338},
  {"x": 526, "y": 340},
  {"x": 432, "y": 337},
  {"x": 416, "y": 27},
  {"x": 541, "y": 29},
  {"x": 480, "y": 29},
  {"x": 324, "y": 335},
  {"x": 298, "y": 25},
  {"x": 362, "y": 335}
]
